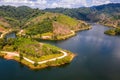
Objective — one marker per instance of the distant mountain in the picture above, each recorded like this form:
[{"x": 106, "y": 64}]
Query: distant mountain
[{"x": 108, "y": 14}]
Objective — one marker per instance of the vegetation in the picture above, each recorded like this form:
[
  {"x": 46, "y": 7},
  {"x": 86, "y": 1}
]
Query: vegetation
[
  {"x": 113, "y": 32},
  {"x": 57, "y": 62},
  {"x": 40, "y": 28},
  {"x": 35, "y": 22},
  {"x": 2, "y": 43},
  {"x": 17, "y": 16},
  {"x": 33, "y": 50},
  {"x": 2, "y": 55},
  {"x": 107, "y": 14},
  {"x": 53, "y": 26},
  {"x": 82, "y": 12}
]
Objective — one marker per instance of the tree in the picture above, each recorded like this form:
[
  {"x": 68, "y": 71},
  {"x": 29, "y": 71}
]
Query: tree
[
  {"x": 21, "y": 56},
  {"x": 35, "y": 63},
  {"x": 2, "y": 43},
  {"x": 117, "y": 30},
  {"x": 10, "y": 41}
]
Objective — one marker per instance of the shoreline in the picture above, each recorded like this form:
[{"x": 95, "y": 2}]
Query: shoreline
[
  {"x": 53, "y": 63},
  {"x": 73, "y": 33},
  {"x": 43, "y": 66}
]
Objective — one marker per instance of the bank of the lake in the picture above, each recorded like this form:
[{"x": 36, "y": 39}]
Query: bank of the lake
[{"x": 61, "y": 37}]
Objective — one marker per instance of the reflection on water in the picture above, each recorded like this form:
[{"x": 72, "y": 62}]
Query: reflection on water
[{"x": 98, "y": 58}]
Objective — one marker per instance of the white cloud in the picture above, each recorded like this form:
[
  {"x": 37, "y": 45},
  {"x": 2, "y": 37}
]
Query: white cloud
[
  {"x": 55, "y": 3},
  {"x": 100, "y": 2},
  {"x": 69, "y": 3},
  {"x": 34, "y": 4}
]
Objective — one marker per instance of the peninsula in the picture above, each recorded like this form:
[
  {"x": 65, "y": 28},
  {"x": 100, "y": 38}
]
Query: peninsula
[
  {"x": 31, "y": 24},
  {"x": 33, "y": 54}
]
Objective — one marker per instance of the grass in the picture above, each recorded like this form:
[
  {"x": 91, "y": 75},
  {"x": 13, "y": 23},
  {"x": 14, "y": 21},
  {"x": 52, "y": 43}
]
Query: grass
[
  {"x": 47, "y": 34},
  {"x": 67, "y": 20}
]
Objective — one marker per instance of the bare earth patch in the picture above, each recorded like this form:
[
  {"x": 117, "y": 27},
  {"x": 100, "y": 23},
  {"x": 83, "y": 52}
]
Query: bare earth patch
[
  {"x": 2, "y": 29},
  {"x": 9, "y": 56}
]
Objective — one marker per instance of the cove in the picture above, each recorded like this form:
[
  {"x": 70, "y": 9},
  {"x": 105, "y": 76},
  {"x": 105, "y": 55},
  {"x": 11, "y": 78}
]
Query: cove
[{"x": 98, "y": 58}]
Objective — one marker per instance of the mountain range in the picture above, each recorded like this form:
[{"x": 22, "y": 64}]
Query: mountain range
[
  {"x": 57, "y": 21},
  {"x": 108, "y": 14}
]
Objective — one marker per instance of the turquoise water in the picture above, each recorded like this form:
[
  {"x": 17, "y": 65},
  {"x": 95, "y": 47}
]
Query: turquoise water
[{"x": 98, "y": 58}]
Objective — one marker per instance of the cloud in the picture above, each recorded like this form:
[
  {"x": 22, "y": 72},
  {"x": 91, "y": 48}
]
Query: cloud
[
  {"x": 100, "y": 2},
  {"x": 31, "y": 3},
  {"x": 56, "y": 3},
  {"x": 69, "y": 3}
]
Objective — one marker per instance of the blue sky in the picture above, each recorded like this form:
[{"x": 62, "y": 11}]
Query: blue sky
[{"x": 42, "y": 4}]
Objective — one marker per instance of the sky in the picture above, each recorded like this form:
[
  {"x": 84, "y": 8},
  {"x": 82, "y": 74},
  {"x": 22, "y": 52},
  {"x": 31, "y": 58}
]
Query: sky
[{"x": 42, "y": 4}]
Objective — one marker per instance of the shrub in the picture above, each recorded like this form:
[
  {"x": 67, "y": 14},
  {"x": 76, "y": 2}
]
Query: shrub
[{"x": 36, "y": 64}]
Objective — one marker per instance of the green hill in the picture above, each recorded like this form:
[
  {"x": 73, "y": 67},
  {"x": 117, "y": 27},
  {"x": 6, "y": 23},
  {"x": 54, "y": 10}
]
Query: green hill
[
  {"x": 40, "y": 24},
  {"x": 53, "y": 26}
]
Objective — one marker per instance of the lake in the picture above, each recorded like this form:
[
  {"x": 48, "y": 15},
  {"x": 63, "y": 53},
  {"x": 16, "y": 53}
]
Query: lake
[{"x": 98, "y": 58}]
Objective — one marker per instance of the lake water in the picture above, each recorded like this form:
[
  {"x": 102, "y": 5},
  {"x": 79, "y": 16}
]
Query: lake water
[
  {"x": 98, "y": 58},
  {"x": 11, "y": 35}
]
